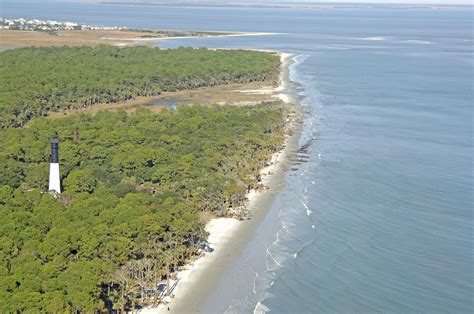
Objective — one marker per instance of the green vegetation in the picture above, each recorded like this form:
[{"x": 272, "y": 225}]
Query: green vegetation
[
  {"x": 35, "y": 81},
  {"x": 134, "y": 186}
]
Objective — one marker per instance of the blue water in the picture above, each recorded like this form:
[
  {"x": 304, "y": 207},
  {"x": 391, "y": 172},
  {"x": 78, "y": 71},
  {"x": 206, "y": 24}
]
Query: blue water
[{"x": 380, "y": 218}]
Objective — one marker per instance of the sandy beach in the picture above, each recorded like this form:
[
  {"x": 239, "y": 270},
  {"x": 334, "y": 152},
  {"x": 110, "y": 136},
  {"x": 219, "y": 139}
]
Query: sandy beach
[
  {"x": 229, "y": 236},
  {"x": 227, "y": 34}
]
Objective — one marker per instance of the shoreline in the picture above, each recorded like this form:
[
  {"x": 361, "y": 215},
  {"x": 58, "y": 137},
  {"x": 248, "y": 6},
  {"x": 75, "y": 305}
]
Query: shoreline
[
  {"x": 12, "y": 39},
  {"x": 226, "y": 34},
  {"x": 229, "y": 236}
]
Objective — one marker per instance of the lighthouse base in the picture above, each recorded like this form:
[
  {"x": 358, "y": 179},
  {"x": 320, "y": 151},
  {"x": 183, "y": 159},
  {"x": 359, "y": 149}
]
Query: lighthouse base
[{"x": 54, "y": 182}]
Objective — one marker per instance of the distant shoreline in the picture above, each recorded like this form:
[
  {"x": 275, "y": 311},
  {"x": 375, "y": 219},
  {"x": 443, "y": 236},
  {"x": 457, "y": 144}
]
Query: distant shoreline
[
  {"x": 12, "y": 39},
  {"x": 218, "y": 34},
  {"x": 290, "y": 5},
  {"x": 20, "y": 32}
]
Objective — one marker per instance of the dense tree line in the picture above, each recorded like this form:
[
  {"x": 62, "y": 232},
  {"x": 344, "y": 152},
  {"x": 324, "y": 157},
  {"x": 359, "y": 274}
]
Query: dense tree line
[
  {"x": 34, "y": 81},
  {"x": 134, "y": 186}
]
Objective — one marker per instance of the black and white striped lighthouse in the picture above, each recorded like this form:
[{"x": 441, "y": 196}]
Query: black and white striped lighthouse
[{"x": 54, "y": 181}]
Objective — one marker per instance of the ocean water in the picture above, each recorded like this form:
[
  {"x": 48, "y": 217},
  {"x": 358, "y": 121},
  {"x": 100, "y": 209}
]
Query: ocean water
[{"x": 380, "y": 217}]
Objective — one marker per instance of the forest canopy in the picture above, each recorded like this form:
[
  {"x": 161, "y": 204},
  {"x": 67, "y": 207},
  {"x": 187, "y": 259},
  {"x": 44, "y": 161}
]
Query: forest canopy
[
  {"x": 134, "y": 186},
  {"x": 35, "y": 81}
]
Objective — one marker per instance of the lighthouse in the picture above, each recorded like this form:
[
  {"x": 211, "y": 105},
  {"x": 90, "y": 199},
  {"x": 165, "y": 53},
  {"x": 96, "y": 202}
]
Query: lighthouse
[{"x": 54, "y": 182}]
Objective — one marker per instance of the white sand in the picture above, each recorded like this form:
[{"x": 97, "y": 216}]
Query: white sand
[
  {"x": 220, "y": 231},
  {"x": 229, "y": 34},
  {"x": 285, "y": 58},
  {"x": 262, "y": 91},
  {"x": 277, "y": 92}
]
